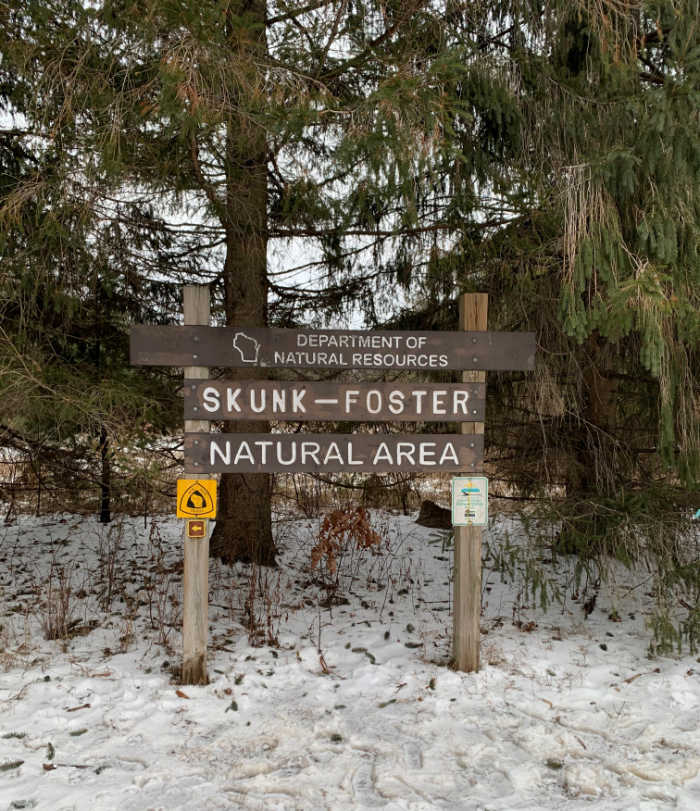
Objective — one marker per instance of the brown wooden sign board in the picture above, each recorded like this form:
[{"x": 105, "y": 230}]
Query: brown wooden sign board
[
  {"x": 331, "y": 453},
  {"x": 330, "y": 349},
  {"x": 359, "y": 402}
]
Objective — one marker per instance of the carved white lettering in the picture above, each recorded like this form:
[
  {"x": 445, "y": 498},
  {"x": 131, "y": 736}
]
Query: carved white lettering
[
  {"x": 264, "y": 444},
  {"x": 419, "y": 395},
  {"x": 352, "y": 461},
  {"x": 460, "y": 401},
  {"x": 258, "y": 407},
  {"x": 426, "y": 453},
  {"x": 333, "y": 454},
  {"x": 396, "y": 402},
  {"x": 374, "y": 401},
  {"x": 405, "y": 450},
  {"x": 232, "y": 400},
  {"x": 279, "y": 401},
  {"x": 297, "y": 396},
  {"x": 439, "y": 402},
  {"x": 244, "y": 453},
  {"x": 293, "y": 456},
  {"x": 214, "y": 449},
  {"x": 351, "y": 396},
  {"x": 382, "y": 454},
  {"x": 449, "y": 454},
  {"x": 210, "y": 399},
  {"x": 310, "y": 450}
]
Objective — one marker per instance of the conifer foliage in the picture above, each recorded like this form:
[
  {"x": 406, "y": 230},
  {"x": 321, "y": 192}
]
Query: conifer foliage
[
  {"x": 346, "y": 124},
  {"x": 548, "y": 153},
  {"x": 604, "y": 262}
]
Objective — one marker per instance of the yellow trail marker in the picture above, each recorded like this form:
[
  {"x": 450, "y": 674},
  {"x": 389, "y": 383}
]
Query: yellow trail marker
[{"x": 196, "y": 498}]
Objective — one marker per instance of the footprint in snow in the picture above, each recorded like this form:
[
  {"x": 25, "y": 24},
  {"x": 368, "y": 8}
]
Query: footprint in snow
[
  {"x": 413, "y": 755},
  {"x": 363, "y": 786}
]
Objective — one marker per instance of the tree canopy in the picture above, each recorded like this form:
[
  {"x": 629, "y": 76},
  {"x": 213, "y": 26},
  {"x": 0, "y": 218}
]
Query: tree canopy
[{"x": 545, "y": 153}]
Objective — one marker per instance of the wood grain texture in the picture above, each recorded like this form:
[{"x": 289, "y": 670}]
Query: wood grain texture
[
  {"x": 195, "y": 608},
  {"x": 254, "y": 347},
  {"x": 331, "y": 453},
  {"x": 473, "y": 315},
  {"x": 338, "y": 402}
]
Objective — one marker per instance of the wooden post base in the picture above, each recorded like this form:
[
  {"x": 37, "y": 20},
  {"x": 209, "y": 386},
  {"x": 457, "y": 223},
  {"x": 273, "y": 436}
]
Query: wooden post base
[{"x": 473, "y": 315}]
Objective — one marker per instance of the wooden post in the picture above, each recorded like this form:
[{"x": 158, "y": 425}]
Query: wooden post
[
  {"x": 473, "y": 314},
  {"x": 196, "y": 576}
]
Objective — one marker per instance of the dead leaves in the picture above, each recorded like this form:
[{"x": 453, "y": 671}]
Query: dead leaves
[{"x": 338, "y": 528}]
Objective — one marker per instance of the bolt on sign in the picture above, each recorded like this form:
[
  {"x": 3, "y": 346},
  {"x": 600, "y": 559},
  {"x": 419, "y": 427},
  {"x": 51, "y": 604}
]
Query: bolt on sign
[
  {"x": 196, "y": 498},
  {"x": 331, "y": 453},
  {"x": 330, "y": 349},
  {"x": 386, "y": 402}
]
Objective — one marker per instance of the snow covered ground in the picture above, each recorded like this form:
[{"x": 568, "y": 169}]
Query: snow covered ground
[{"x": 567, "y": 712}]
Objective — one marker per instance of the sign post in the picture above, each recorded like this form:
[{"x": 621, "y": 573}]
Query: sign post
[
  {"x": 195, "y": 605},
  {"x": 473, "y": 314}
]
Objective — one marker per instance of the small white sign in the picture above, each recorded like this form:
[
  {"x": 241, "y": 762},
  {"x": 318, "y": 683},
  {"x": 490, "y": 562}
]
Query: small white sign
[{"x": 470, "y": 501}]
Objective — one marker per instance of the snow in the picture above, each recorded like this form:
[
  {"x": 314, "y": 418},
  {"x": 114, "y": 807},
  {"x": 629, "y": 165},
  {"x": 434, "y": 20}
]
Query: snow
[{"x": 567, "y": 711}]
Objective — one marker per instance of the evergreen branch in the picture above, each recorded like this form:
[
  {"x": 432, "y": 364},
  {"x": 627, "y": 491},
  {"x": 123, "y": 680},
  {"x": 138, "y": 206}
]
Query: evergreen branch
[
  {"x": 305, "y": 32},
  {"x": 285, "y": 233},
  {"x": 329, "y": 290},
  {"x": 334, "y": 30},
  {"x": 321, "y": 263},
  {"x": 217, "y": 205},
  {"x": 654, "y": 78},
  {"x": 15, "y": 133},
  {"x": 336, "y": 73},
  {"x": 652, "y": 67},
  {"x": 495, "y": 39},
  {"x": 280, "y": 18}
]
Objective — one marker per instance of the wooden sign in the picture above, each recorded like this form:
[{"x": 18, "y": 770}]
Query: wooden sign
[
  {"x": 375, "y": 402},
  {"x": 330, "y": 349},
  {"x": 196, "y": 498},
  {"x": 331, "y": 453}
]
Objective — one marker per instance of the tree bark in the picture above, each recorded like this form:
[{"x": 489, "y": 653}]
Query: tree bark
[
  {"x": 592, "y": 469},
  {"x": 243, "y": 530}
]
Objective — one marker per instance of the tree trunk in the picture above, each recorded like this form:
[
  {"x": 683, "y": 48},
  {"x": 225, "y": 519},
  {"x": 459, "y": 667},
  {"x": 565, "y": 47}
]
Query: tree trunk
[
  {"x": 592, "y": 471},
  {"x": 243, "y": 530}
]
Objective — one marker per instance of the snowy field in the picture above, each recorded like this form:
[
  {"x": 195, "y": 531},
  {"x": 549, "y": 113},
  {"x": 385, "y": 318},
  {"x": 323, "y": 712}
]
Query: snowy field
[{"x": 345, "y": 701}]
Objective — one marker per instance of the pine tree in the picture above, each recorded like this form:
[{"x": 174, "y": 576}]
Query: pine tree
[
  {"x": 602, "y": 260},
  {"x": 348, "y": 124},
  {"x": 71, "y": 280},
  {"x": 599, "y": 256},
  {"x": 549, "y": 155}
]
